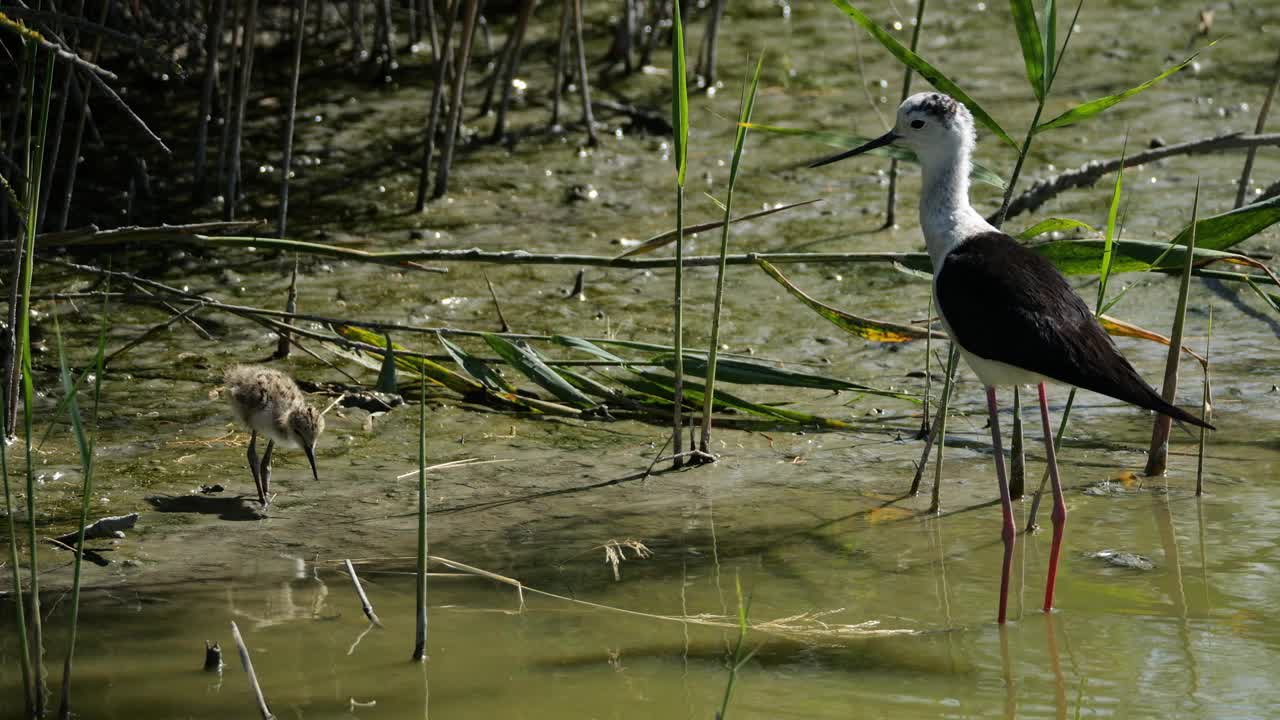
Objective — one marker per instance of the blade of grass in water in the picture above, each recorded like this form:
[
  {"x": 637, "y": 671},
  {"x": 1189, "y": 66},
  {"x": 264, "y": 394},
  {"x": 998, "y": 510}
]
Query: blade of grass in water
[
  {"x": 15, "y": 568},
  {"x": 740, "y": 658},
  {"x": 1204, "y": 408},
  {"x": 387, "y": 375},
  {"x": 86, "y": 447},
  {"x": 746, "y": 105},
  {"x": 680, "y": 138},
  {"x": 420, "y": 641},
  {"x": 1158, "y": 453}
]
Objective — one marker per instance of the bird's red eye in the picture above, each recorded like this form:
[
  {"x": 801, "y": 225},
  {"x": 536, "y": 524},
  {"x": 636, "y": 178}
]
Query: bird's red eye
[{"x": 917, "y": 124}]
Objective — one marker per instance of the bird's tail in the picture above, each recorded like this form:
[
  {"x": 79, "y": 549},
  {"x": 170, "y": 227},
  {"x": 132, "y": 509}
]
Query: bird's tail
[{"x": 1151, "y": 400}]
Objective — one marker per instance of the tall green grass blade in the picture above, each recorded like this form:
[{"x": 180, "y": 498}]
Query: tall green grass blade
[
  {"x": 526, "y": 360},
  {"x": 739, "y": 658},
  {"x": 1033, "y": 46},
  {"x": 1093, "y": 107},
  {"x": 476, "y": 368},
  {"x": 420, "y": 634},
  {"x": 387, "y": 375},
  {"x": 680, "y": 135},
  {"x": 1084, "y": 257},
  {"x": 679, "y": 95},
  {"x": 1204, "y": 408},
  {"x": 85, "y": 445},
  {"x": 745, "y": 106},
  {"x": 34, "y": 169},
  {"x": 1050, "y": 43},
  {"x": 847, "y": 141},
  {"x": 1049, "y": 225},
  {"x": 1110, "y": 237},
  {"x": 866, "y": 328},
  {"x": 926, "y": 71}
]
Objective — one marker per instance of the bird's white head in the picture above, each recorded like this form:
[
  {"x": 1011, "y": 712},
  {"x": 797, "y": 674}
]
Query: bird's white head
[{"x": 935, "y": 127}]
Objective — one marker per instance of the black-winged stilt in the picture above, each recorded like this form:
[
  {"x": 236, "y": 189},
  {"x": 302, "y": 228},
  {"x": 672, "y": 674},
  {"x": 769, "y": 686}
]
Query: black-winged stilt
[
  {"x": 1013, "y": 316},
  {"x": 268, "y": 401}
]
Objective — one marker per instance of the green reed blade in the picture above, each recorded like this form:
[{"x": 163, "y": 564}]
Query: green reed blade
[
  {"x": 526, "y": 360},
  {"x": 926, "y": 71},
  {"x": 1054, "y": 224},
  {"x": 1033, "y": 46},
  {"x": 1087, "y": 110}
]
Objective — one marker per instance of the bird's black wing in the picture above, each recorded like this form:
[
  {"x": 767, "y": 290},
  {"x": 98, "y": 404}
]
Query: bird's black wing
[{"x": 1007, "y": 303}]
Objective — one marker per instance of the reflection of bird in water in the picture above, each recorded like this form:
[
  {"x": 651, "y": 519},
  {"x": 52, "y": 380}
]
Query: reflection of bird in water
[
  {"x": 268, "y": 401},
  {"x": 1012, "y": 314}
]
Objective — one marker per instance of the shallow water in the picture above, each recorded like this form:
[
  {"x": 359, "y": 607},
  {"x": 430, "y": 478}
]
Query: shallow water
[{"x": 812, "y": 523}]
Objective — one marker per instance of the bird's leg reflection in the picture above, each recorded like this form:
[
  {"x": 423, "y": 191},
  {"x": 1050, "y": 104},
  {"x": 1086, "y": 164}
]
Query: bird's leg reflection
[
  {"x": 1010, "y": 692},
  {"x": 1059, "y": 683}
]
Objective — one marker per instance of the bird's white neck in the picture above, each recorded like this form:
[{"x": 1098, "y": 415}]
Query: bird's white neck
[{"x": 946, "y": 218}]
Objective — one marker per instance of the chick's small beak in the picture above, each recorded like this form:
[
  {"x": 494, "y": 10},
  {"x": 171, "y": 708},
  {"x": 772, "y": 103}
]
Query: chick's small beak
[
  {"x": 311, "y": 458},
  {"x": 881, "y": 141}
]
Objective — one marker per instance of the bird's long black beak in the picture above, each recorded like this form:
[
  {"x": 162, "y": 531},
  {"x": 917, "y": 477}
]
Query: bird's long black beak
[
  {"x": 311, "y": 458},
  {"x": 881, "y": 141}
]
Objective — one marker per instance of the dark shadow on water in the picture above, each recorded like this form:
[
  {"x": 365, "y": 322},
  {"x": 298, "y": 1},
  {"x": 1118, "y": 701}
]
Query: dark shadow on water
[{"x": 237, "y": 508}]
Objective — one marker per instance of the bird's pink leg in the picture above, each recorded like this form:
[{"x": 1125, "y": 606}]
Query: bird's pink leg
[
  {"x": 1059, "y": 515},
  {"x": 1006, "y": 504}
]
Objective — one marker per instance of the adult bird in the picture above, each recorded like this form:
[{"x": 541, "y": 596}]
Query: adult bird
[
  {"x": 1013, "y": 316},
  {"x": 268, "y": 401}
]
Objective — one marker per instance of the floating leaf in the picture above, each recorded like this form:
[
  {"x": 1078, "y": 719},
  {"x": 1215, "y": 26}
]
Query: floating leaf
[
  {"x": 876, "y": 330},
  {"x": 848, "y": 141},
  {"x": 524, "y": 359},
  {"x": 1093, "y": 107},
  {"x": 925, "y": 70}
]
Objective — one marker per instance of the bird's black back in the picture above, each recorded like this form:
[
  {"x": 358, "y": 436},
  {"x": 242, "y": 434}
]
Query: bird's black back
[{"x": 1005, "y": 302}]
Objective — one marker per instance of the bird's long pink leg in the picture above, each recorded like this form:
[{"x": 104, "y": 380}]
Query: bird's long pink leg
[
  {"x": 1006, "y": 504},
  {"x": 1059, "y": 515}
]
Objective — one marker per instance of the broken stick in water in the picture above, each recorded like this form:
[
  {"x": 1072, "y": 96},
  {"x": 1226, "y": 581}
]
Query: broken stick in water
[
  {"x": 253, "y": 677},
  {"x": 107, "y": 527},
  {"x": 364, "y": 599}
]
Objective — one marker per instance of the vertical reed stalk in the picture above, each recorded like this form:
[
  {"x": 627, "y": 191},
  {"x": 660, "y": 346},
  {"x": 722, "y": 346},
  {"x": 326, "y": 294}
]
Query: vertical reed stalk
[
  {"x": 24, "y": 650},
  {"x": 420, "y": 641},
  {"x": 299, "y": 21},
  {"x": 229, "y": 95},
  {"x": 1242, "y": 190},
  {"x": 215, "y": 12},
  {"x": 562, "y": 52},
  {"x": 357, "y": 32},
  {"x": 1158, "y": 453},
  {"x": 891, "y": 199},
  {"x": 1204, "y": 409},
  {"x": 34, "y": 166},
  {"x": 710, "y": 44},
  {"x": 247, "y": 662},
  {"x": 442, "y": 61},
  {"x": 680, "y": 141},
  {"x": 237, "y": 131},
  {"x": 745, "y": 106},
  {"x": 584, "y": 86},
  {"x": 940, "y": 427},
  {"x": 86, "y": 446},
  {"x": 60, "y": 117},
  {"x": 455, "y": 102},
  {"x": 509, "y": 69}
]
